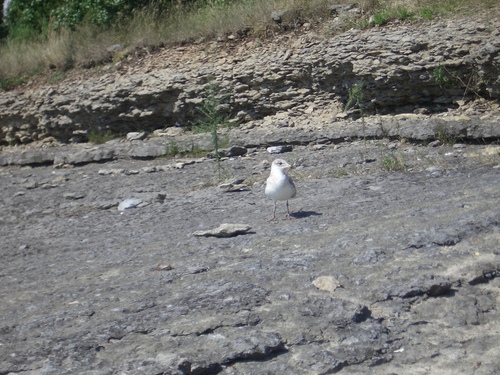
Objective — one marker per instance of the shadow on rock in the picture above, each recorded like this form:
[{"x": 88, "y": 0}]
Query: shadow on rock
[{"x": 303, "y": 214}]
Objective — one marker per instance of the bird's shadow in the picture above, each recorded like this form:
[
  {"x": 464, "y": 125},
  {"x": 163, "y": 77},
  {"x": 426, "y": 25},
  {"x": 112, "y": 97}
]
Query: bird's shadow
[{"x": 301, "y": 214}]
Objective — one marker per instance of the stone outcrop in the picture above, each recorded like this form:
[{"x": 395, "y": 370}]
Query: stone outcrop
[
  {"x": 420, "y": 129},
  {"x": 400, "y": 69}
]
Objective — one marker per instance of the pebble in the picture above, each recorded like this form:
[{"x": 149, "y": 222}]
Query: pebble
[
  {"x": 318, "y": 147},
  {"x": 136, "y": 136},
  {"x": 106, "y": 172},
  {"x": 149, "y": 169},
  {"x": 31, "y": 185},
  {"x": 279, "y": 149},
  {"x": 326, "y": 283},
  {"x": 129, "y": 203},
  {"x": 435, "y": 143},
  {"x": 73, "y": 196}
]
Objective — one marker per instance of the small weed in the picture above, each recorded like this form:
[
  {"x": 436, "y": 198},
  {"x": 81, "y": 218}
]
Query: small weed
[
  {"x": 403, "y": 14},
  {"x": 226, "y": 176},
  {"x": 474, "y": 82},
  {"x": 212, "y": 120},
  {"x": 98, "y": 136},
  {"x": 442, "y": 134},
  {"x": 428, "y": 13},
  {"x": 57, "y": 76},
  {"x": 356, "y": 96},
  {"x": 224, "y": 141},
  {"x": 380, "y": 18},
  {"x": 358, "y": 24},
  {"x": 9, "y": 83},
  {"x": 195, "y": 150},
  {"x": 384, "y": 132},
  {"x": 339, "y": 172},
  {"x": 356, "y": 99},
  {"x": 393, "y": 162},
  {"x": 172, "y": 149},
  {"x": 260, "y": 32},
  {"x": 442, "y": 78},
  {"x": 200, "y": 128}
]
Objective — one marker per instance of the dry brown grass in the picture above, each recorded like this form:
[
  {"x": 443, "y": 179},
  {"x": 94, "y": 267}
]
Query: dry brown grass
[
  {"x": 61, "y": 51},
  {"x": 88, "y": 46}
]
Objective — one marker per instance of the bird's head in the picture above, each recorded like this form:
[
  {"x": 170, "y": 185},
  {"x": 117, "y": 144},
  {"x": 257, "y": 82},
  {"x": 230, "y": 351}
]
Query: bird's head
[{"x": 281, "y": 164}]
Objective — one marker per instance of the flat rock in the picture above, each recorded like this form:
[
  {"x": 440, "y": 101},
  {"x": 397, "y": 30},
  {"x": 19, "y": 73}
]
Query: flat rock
[
  {"x": 224, "y": 230},
  {"x": 95, "y": 155},
  {"x": 26, "y": 157},
  {"x": 327, "y": 283},
  {"x": 234, "y": 186},
  {"x": 146, "y": 151}
]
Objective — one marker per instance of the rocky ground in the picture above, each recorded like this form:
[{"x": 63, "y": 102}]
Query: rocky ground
[{"x": 390, "y": 264}]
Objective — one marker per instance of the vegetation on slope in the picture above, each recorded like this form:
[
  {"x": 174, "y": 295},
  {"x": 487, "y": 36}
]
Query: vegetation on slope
[{"x": 39, "y": 36}]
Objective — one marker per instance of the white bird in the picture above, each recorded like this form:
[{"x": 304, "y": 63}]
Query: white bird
[{"x": 279, "y": 186}]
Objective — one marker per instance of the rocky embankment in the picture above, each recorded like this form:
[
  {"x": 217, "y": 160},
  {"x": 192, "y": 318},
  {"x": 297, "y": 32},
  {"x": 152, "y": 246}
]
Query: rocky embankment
[
  {"x": 390, "y": 264},
  {"x": 403, "y": 69}
]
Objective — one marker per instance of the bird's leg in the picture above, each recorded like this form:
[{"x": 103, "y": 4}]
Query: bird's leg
[
  {"x": 288, "y": 211},
  {"x": 274, "y": 212}
]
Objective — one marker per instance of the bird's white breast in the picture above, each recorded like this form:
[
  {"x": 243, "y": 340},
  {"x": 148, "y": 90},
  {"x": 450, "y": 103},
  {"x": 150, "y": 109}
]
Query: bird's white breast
[{"x": 279, "y": 186}]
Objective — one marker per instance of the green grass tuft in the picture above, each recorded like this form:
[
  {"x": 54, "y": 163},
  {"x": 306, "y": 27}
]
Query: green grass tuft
[
  {"x": 97, "y": 136},
  {"x": 403, "y": 14},
  {"x": 393, "y": 162},
  {"x": 172, "y": 149},
  {"x": 380, "y": 18}
]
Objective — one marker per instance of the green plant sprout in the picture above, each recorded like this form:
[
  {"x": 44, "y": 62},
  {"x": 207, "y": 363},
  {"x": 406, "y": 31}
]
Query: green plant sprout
[{"x": 212, "y": 120}]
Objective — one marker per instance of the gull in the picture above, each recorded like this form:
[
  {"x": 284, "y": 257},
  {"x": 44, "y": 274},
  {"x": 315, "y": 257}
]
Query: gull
[{"x": 279, "y": 186}]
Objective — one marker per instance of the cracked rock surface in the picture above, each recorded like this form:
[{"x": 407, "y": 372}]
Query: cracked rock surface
[{"x": 379, "y": 271}]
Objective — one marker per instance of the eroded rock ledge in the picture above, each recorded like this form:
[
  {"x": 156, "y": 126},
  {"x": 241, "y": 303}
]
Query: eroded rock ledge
[
  {"x": 482, "y": 128},
  {"x": 402, "y": 69}
]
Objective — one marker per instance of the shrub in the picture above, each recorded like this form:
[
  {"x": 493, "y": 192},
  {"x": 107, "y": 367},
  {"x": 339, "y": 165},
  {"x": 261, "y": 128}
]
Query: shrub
[
  {"x": 441, "y": 76},
  {"x": 26, "y": 20},
  {"x": 380, "y": 18}
]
